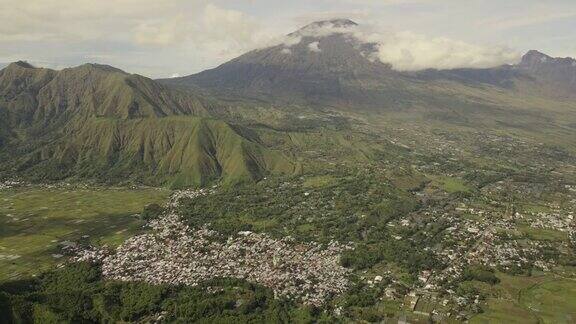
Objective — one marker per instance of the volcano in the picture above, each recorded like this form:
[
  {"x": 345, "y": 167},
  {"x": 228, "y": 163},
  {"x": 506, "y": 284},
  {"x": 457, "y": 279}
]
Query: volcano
[{"x": 325, "y": 64}]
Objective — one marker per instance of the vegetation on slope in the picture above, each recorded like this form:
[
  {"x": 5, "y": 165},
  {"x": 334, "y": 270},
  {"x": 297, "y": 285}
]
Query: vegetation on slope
[
  {"x": 173, "y": 151},
  {"x": 100, "y": 123}
]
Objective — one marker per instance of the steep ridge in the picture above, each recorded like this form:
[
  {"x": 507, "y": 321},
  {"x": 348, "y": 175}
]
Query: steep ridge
[
  {"x": 98, "y": 122},
  {"x": 20, "y": 84},
  {"x": 45, "y": 96},
  {"x": 536, "y": 73},
  {"x": 556, "y": 76},
  {"x": 174, "y": 151}
]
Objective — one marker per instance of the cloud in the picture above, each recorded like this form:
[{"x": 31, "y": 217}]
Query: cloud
[
  {"x": 383, "y": 2},
  {"x": 288, "y": 41},
  {"x": 310, "y": 17},
  {"x": 408, "y": 51},
  {"x": 210, "y": 27},
  {"x": 155, "y": 38},
  {"x": 528, "y": 19},
  {"x": 138, "y": 34},
  {"x": 73, "y": 20},
  {"x": 314, "y": 47}
]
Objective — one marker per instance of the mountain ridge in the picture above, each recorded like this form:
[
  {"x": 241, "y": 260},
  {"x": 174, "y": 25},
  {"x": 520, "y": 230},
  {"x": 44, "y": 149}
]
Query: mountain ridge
[{"x": 99, "y": 122}]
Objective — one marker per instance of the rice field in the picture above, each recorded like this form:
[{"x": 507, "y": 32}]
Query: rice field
[{"x": 36, "y": 221}]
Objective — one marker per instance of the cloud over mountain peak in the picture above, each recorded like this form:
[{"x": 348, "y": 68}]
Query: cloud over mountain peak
[{"x": 406, "y": 50}]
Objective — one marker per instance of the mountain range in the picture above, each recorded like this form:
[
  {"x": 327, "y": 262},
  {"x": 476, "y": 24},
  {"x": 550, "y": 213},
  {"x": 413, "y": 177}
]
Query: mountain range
[
  {"x": 96, "y": 121},
  {"x": 265, "y": 112},
  {"x": 339, "y": 70}
]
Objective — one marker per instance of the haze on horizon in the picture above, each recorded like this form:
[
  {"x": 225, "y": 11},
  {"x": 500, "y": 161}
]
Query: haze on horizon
[{"x": 179, "y": 37}]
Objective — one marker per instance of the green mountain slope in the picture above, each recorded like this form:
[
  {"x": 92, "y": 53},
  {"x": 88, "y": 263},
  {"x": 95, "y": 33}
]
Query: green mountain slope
[
  {"x": 45, "y": 96},
  {"x": 98, "y": 122},
  {"x": 175, "y": 151},
  {"x": 327, "y": 107}
]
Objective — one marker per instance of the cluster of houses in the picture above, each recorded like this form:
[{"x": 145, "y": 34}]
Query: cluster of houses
[
  {"x": 178, "y": 195},
  {"x": 173, "y": 253},
  {"x": 488, "y": 233},
  {"x": 481, "y": 242},
  {"x": 8, "y": 184},
  {"x": 555, "y": 220},
  {"x": 474, "y": 236}
]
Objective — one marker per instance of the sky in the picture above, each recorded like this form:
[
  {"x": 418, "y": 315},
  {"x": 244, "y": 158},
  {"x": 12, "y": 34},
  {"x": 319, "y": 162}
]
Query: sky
[{"x": 179, "y": 37}]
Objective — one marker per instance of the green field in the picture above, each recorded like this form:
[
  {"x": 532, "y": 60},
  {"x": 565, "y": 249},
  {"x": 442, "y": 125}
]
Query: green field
[
  {"x": 505, "y": 311},
  {"x": 553, "y": 301},
  {"x": 34, "y": 221},
  {"x": 535, "y": 299},
  {"x": 543, "y": 234},
  {"x": 449, "y": 184}
]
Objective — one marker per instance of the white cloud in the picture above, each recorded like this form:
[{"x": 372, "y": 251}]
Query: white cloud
[
  {"x": 63, "y": 20},
  {"x": 533, "y": 16},
  {"x": 288, "y": 41},
  {"x": 384, "y": 2},
  {"x": 128, "y": 32},
  {"x": 155, "y": 37},
  {"x": 408, "y": 51},
  {"x": 211, "y": 27},
  {"x": 314, "y": 47},
  {"x": 309, "y": 17}
]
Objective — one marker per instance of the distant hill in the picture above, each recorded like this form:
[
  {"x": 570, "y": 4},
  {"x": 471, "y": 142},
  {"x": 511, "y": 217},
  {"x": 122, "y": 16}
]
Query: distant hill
[
  {"x": 557, "y": 75},
  {"x": 89, "y": 90}
]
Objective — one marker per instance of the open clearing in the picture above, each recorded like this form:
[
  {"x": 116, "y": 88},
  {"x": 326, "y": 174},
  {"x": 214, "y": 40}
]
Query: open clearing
[
  {"x": 34, "y": 222},
  {"x": 536, "y": 299}
]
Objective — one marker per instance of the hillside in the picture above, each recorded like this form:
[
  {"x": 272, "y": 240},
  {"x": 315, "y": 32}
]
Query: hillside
[
  {"x": 174, "y": 151},
  {"x": 98, "y": 122},
  {"x": 43, "y": 96}
]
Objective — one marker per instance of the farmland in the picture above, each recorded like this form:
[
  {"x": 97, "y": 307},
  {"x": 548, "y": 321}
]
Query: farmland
[{"x": 36, "y": 220}]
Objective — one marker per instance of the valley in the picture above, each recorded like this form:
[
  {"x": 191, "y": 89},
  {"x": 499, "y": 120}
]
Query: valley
[
  {"x": 303, "y": 182},
  {"x": 440, "y": 236}
]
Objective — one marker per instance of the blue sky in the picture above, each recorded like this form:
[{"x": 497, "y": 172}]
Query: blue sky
[{"x": 179, "y": 37}]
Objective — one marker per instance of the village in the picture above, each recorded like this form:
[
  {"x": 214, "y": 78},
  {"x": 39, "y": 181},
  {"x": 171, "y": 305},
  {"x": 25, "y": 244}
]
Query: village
[
  {"x": 506, "y": 226},
  {"x": 490, "y": 238},
  {"x": 175, "y": 254},
  {"x": 8, "y": 184}
]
